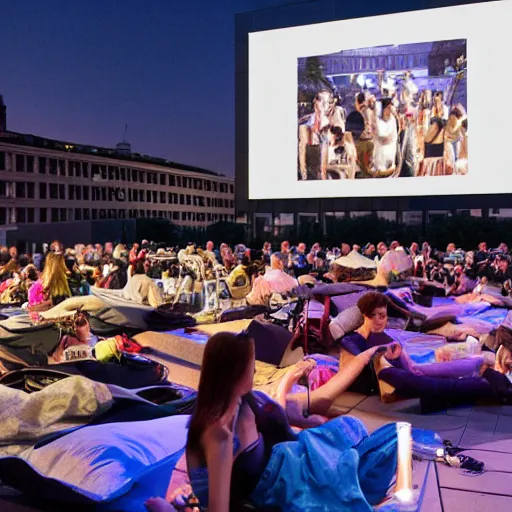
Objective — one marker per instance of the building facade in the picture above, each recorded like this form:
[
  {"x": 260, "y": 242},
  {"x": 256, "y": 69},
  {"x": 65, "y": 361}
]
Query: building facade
[{"x": 51, "y": 189}]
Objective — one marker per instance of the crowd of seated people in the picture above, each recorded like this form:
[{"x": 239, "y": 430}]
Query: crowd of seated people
[{"x": 44, "y": 280}]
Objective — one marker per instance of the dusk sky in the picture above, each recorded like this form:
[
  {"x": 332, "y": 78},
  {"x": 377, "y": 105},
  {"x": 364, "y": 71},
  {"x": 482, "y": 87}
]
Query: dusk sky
[{"x": 79, "y": 71}]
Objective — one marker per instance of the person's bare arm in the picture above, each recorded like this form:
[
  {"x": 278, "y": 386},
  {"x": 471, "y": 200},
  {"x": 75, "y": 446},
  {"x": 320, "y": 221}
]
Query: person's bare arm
[
  {"x": 217, "y": 443},
  {"x": 219, "y": 459},
  {"x": 303, "y": 142},
  {"x": 352, "y": 366}
]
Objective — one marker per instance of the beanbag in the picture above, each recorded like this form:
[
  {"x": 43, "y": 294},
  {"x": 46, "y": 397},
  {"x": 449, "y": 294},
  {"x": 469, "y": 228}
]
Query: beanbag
[
  {"x": 97, "y": 464},
  {"x": 355, "y": 267}
]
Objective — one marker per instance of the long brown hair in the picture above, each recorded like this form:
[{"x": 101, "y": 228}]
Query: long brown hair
[{"x": 225, "y": 361}]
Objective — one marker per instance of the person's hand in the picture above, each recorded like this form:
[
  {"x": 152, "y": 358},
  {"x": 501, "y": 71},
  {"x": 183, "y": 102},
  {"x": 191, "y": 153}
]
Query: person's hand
[
  {"x": 158, "y": 505},
  {"x": 373, "y": 352},
  {"x": 394, "y": 351}
]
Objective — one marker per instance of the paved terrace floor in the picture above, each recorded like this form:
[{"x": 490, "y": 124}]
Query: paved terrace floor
[{"x": 486, "y": 430}]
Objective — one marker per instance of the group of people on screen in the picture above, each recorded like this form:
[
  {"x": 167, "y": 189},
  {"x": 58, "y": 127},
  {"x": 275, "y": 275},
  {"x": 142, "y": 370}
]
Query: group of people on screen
[{"x": 400, "y": 132}]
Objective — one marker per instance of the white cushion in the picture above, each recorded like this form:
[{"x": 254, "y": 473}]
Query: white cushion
[
  {"x": 346, "y": 322},
  {"x": 356, "y": 260}
]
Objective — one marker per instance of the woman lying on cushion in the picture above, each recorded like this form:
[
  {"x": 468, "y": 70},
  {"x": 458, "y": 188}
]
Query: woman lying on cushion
[
  {"x": 447, "y": 381},
  {"x": 234, "y": 432}
]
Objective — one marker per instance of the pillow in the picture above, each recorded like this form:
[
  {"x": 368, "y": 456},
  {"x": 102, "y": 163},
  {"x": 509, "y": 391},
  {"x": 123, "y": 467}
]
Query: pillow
[
  {"x": 342, "y": 302},
  {"x": 270, "y": 341},
  {"x": 97, "y": 464},
  {"x": 346, "y": 322}
]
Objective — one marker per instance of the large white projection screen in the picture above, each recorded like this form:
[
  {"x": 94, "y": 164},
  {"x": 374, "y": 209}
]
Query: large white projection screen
[{"x": 402, "y": 139}]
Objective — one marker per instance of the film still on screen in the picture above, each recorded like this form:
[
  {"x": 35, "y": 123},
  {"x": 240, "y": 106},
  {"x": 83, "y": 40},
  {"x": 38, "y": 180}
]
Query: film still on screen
[{"x": 384, "y": 112}]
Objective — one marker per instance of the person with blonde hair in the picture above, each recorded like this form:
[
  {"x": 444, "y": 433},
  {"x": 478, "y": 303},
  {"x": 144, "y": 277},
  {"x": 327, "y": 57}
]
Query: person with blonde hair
[{"x": 52, "y": 287}]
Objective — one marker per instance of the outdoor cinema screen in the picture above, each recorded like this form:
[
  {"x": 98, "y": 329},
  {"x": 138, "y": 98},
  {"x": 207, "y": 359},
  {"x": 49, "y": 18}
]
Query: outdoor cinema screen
[{"x": 340, "y": 109}]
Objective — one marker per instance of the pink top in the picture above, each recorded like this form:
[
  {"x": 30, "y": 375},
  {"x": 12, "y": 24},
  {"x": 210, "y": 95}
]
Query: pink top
[{"x": 36, "y": 294}]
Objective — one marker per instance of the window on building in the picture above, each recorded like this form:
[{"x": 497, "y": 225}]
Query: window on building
[
  {"x": 63, "y": 214},
  {"x": 78, "y": 214},
  {"x": 21, "y": 215},
  {"x": 189, "y": 200},
  {"x": 172, "y": 180},
  {"x": 86, "y": 214},
  {"x": 122, "y": 174},
  {"x": 155, "y": 196},
  {"x": 20, "y": 189},
  {"x": 103, "y": 192},
  {"x": 85, "y": 169},
  {"x": 85, "y": 193},
  {"x": 175, "y": 215},
  {"x": 43, "y": 215},
  {"x": 62, "y": 167},
  {"x": 31, "y": 215},
  {"x": 2, "y": 161},
  {"x": 55, "y": 215},
  {"x": 30, "y": 164},
  {"x": 163, "y": 180},
  {"x": 178, "y": 181},
  {"x": 183, "y": 215},
  {"x": 163, "y": 197},
  {"x": 62, "y": 191},
  {"x": 42, "y": 191},
  {"x": 54, "y": 191},
  {"x": 231, "y": 189},
  {"x": 20, "y": 163},
  {"x": 148, "y": 196},
  {"x": 53, "y": 166},
  {"x": 31, "y": 190},
  {"x": 42, "y": 165},
  {"x": 3, "y": 216}
]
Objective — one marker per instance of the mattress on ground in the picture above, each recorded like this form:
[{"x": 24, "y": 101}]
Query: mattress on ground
[{"x": 235, "y": 326}]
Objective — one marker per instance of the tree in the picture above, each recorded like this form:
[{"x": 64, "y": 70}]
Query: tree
[{"x": 312, "y": 79}]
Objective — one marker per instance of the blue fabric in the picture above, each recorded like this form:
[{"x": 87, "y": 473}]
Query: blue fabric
[{"x": 336, "y": 466}]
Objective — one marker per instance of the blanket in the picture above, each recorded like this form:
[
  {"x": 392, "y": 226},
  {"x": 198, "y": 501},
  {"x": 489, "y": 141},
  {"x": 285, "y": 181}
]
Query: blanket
[
  {"x": 337, "y": 464},
  {"x": 26, "y": 419}
]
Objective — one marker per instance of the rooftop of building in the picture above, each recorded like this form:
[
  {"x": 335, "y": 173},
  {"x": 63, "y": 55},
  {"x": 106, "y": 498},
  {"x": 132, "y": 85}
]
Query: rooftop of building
[{"x": 23, "y": 139}]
